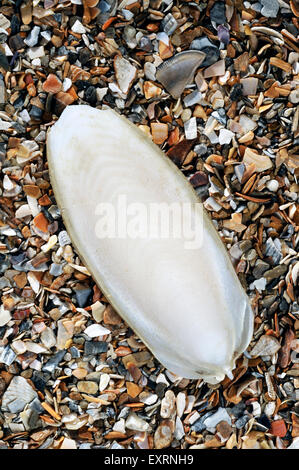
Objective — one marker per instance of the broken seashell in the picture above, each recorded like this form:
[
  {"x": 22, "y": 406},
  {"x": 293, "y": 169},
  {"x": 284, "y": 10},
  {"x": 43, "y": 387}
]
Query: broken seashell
[
  {"x": 177, "y": 72},
  {"x": 187, "y": 305}
]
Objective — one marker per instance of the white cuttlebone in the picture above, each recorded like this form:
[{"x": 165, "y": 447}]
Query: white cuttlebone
[{"x": 187, "y": 305}]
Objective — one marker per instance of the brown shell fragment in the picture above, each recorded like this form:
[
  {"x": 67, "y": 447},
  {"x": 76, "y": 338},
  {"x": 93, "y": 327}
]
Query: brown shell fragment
[{"x": 178, "y": 71}]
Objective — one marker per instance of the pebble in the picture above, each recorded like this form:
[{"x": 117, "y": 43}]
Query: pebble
[
  {"x": 270, "y": 8},
  {"x": 168, "y": 405},
  {"x": 5, "y": 316},
  {"x": 205, "y": 45},
  {"x": 276, "y": 272},
  {"x": 35, "y": 52},
  {"x": 135, "y": 423},
  {"x": 52, "y": 84},
  {"x": 17, "y": 395},
  {"x": 78, "y": 27},
  {"x": 266, "y": 346},
  {"x": 32, "y": 38},
  {"x": 51, "y": 365},
  {"x": 82, "y": 296},
  {"x": 96, "y": 330},
  {"x": 294, "y": 96},
  {"x": 163, "y": 435},
  {"x": 95, "y": 347},
  {"x": 85, "y": 386},
  {"x": 217, "y": 13},
  {"x": 225, "y": 136},
  {"x": 272, "y": 185},
  {"x": 190, "y": 129},
  {"x": 221, "y": 415}
]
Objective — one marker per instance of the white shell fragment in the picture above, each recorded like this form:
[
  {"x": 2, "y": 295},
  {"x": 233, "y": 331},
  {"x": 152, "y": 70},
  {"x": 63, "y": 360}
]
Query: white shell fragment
[{"x": 187, "y": 305}]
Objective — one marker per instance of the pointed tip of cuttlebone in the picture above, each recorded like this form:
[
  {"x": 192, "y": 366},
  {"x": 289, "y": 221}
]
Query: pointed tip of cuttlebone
[{"x": 176, "y": 72}]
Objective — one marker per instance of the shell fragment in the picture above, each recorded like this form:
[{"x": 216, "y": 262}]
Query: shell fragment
[{"x": 183, "y": 299}]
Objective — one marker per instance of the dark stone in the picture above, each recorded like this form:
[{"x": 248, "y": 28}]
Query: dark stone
[
  {"x": 217, "y": 13},
  {"x": 36, "y": 406},
  {"x": 240, "y": 423},
  {"x": 16, "y": 42},
  {"x": 205, "y": 45},
  {"x": 91, "y": 95},
  {"x": 283, "y": 306},
  {"x": 238, "y": 409},
  {"x": 74, "y": 352},
  {"x": 95, "y": 347},
  {"x": 145, "y": 44},
  {"x": 264, "y": 421},
  {"x": 15, "y": 25},
  {"x": 160, "y": 389},
  {"x": 72, "y": 57},
  {"x": 39, "y": 380},
  {"x": 51, "y": 365},
  {"x": 82, "y": 85},
  {"x": 82, "y": 296},
  {"x": 3, "y": 61},
  {"x": 237, "y": 92},
  {"x": 36, "y": 113},
  {"x": 199, "y": 179},
  {"x": 84, "y": 55}
]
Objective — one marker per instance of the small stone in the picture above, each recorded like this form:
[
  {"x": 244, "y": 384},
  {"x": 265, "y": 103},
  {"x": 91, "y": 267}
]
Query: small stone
[
  {"x": 136, "y": 424},
  {"x": 164, "y": 434},
  {"x": 278, "y": 428},
  {"x": 272, "y": 185},
  {"x": 168, "y": 405},
  {"x": 276, "y": 272},
  {"x": 225, "y": 136},
  {"x": 262, "y": 162},
  {"x": 212, "y": 421},
  {"x": 51, "y": 365},
  {"x": 125, "y": 73},
  {"x": 169, "y": 24},
  {"x": 52, "y": 84},
  {"x": 48, "y": 338},
  {"x": 205, "y": 45},
  {"x": 111, "y": 317},
  {"x": 89, "y": 387},
  {"x": 224, "y": 429},
  {"x": 133, "y": 389},
  {"x": 190, "y": 128},
  {"x": 199, "y": 179},
  {"x": 270, "y": 8},
  {"x": 80, "y": 373},
  {"x": 241, "y": 63},
  {"x": 35, "y": 52},
  {"x": 96, "y": 330},
  {"x": 78, "y": 27},
  {"x": 151, "y": 90},
  {"x": 159, "y": 132},
  {"x": 68, "y": 444},
  {"x": 217, "y": 13},
  {"x": 5, "y": 316},
  {"x": 192, "y": 99},
  {"x": 95, "y": 347},
  {"x": 294, "y": 96},
  {"x": 260, "y": 268},
  {"x": 249, "y": 85},
  {"x": 32, "y": 38},
  {"x": 65, "y": 332},
  {"x": 18, "y": 394},
  {"x": 215, "y": 70},
  {"x": 139, "y": 359},
  {"x": 266, "y": 346}
]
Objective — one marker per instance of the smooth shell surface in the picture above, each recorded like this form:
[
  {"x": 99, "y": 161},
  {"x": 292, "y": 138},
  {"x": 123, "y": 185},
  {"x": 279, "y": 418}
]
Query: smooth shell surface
[{"x": 187, "y": 305}]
